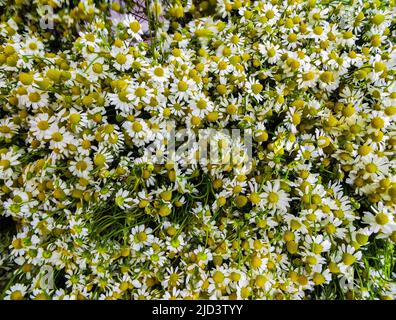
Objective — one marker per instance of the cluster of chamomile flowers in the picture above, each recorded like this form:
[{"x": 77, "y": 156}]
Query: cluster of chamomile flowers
[{"x": 100, "y": 208}]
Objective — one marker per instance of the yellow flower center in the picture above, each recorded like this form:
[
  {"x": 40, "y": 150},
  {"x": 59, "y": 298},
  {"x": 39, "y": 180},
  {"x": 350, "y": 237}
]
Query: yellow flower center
[
  {"x": 327, "y": 77},
  {"x": 34, "y": 97},
  {"x": 256, "y": 262},
  {"x": 201, "y": 104},
  {"x": 57, "y": 136},
  {"x": 240, "y": 201},
  {"x": 231, "y": 109},
  {"x": 140, "y": 92},
  {"x": 81, "y": 165},
  {"x": 135, "y": 26},
  {"x": 381, "y": 218},
  {"x": 273, "y": 197},
  {"x": 311, "y": 260},
  {"x": 364, "y": 150},
  {"x": 16, "y": 295},
  {"x": 348, "y": 259},
  {"x": 164, "y": 211},
  {"x": 257, "y": 88},
  {"x": 137, "y": 127},
  {"x": 371, "y": 168},
  {"x": 317, "y": 248},
  {"x": 308, "y": 76},
  {"x": 218, "y": 277},
  {"x": 292, "y": 37},
  {"x": 255, "y": 198},
  {"x": 99, "y": 160},
  {"x": 121, "y": 58},
  {"x": 318, "y": 278},
  {"x": 90, "y": 37},
  {"x": 348, "y": 35},
  {"x": 141, "y": 236}
]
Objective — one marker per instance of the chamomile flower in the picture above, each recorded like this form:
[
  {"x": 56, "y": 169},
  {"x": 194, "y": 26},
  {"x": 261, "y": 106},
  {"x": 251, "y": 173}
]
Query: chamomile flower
[
  {"x": 159, "y": 74},
  {"x": 201, "y": 106},
  {"x": 275, "y": 199},
  {"x": 8, "y": 128},
  {"x": 140, "y": 236},
  {"x": 81, "y": 166},
  {"x": 34, "y": 98},
  {"x": 16, "y": 292},
  {"x": 122, "y": 199},
  {"x": 183, "y": 89}
]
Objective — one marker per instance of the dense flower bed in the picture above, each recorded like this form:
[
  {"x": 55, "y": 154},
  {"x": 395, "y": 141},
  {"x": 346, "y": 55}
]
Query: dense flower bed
[{"x": 95, "y": 206}]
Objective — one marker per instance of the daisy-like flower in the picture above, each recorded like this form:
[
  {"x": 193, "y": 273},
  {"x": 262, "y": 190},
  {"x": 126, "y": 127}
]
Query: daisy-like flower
[
  {"x": 380, "y": 220},
  {"x": 16, "y": 292},
  {"x": 81, "y": 167},
  {"x": 254, "y": 88},
  {"x": 274, "y": 198}
]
